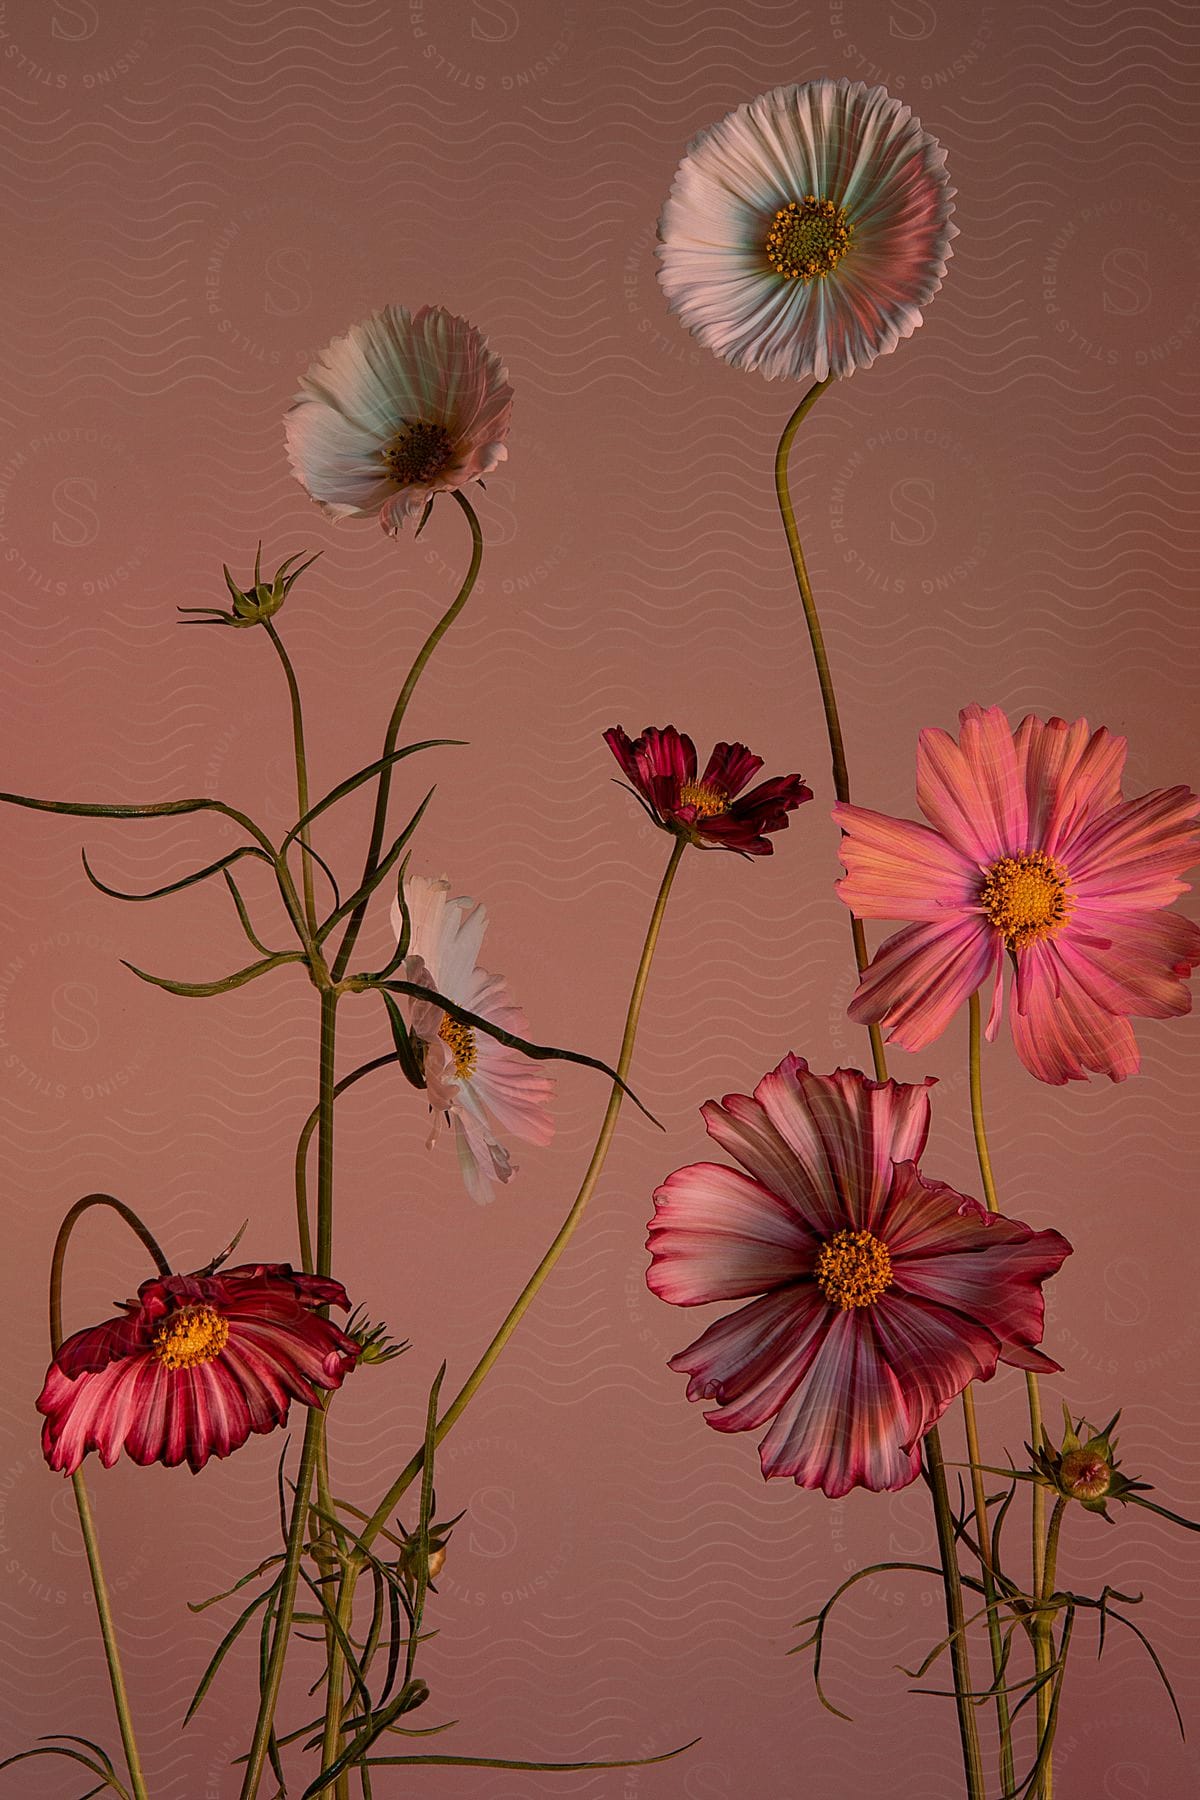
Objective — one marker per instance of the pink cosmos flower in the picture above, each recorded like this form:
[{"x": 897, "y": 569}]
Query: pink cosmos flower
[
  {"x": 806, "y": 230},
  {"x": 475, "y": 1084},
  {"x": 1030, "y": 848},
  {"x": 405, "y": 406},
  {"x": 881, "y": 1294},
  {"x": 662, "y": 765},
  {"x": 196, "y": 1363}
]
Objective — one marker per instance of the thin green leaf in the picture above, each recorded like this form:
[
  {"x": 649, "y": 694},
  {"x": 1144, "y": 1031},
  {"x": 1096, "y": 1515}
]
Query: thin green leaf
[
  {"x": 226, "y": 1644},
  {"x": 198, "y": 1606},
  {"x": 159, "y": 809},
  {"x": 356, "y": 781},
  {"x": 819, "y": 1621},
  {"x": 536, "y": 1052},
  {"x": 107, "y": 1781},
  {"x": 377, "y": 876},
  {"x": 408, "y": 1699},
  {"x": 330, "y": 877},
  {"x": 406, "y": 1056},
  {"x": 243, "y": 914},
  {"x": 502, "y": 1762},
  {"x": 205, "y": 990},
  {"x": 1152, "y": 1653},
  {"x": 185, "y": 881}
]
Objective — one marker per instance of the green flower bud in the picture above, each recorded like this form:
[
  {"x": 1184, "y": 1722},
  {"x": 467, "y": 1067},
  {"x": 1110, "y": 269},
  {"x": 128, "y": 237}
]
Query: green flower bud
[{"x": 256, "y": 604}]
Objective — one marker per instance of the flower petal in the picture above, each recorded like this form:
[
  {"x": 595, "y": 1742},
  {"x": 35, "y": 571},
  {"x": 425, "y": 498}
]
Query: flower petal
[
  {"x": 1059, "y": 1030},
  {"x": 846, "y": 1426},
  {"x": 896, "y": 869},
  {"x": 920, "y": 976},
  {"x": 719, "y": 1235},
  {"x": 752, "y": 1360}
]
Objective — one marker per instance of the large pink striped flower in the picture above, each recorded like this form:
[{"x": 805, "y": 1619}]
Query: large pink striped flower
[
  {"x": 881, "y": 1294},
  {"x": 710, "y": 809},
  {"x": 194, "y": 1365},
  {"x": 1030, "y": 849},
  {"x": 405, "y": 406},
  {"x": 806, "y": 230}
]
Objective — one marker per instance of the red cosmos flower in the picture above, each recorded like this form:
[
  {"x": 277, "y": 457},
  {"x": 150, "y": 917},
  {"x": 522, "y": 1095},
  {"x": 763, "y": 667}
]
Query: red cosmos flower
[
  {"x": 197, "y": 1363},
  {"x": 662, "y": 768},
  {"x": 881, "y": 1294}
]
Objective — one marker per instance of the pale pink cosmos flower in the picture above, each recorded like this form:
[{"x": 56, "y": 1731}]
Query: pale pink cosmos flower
[
  {"x": 1030, "y": 849},
  {"x": 880, "y": 1294},
  {"x": 405, "y": 406},
  {"x": 805, "y": 231},
  {"x": 476, "y": 1085}
]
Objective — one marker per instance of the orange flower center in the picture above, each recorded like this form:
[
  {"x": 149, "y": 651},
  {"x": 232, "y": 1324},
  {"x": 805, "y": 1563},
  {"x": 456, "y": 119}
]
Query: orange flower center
[
  {"x": 854, "y": 1269},
  {"x": 459, "y": 1039},
  {"x": 1026, "y": 897},
  {"x": 194, "y": 1334},
  {"x": 807, "y": 238},
  {"x": 418, "y": 452},
  {"x": 707, "y": 800}
]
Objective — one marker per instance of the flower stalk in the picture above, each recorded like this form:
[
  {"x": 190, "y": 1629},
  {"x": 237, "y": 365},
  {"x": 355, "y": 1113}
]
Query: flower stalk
[
  {"x": 812, "y": 619},
  {"x": 91, "y": 1543}
]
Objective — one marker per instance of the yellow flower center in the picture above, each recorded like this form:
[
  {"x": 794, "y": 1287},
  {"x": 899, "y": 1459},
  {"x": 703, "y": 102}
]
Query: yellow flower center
[
  {"x": 194, "y": 1334},
  {"x": 459, "y": 1039},
  {"x": 708, "y": 801},
  {"x": 418, "y": 452},
  {"x": 853, "y": 1269},
  {"x": 1026, "y": 897},
  {"x": 807, "y": 238}
]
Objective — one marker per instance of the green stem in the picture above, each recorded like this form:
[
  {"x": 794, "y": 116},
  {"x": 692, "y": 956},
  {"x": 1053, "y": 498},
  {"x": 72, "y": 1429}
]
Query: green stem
[
  {"x": 955, "y": 1617},
  {"x": 379, "y": 823},
  {"x": 311, "y": 1454},
  {"x": 833, "y": 724},
  {"x": 995, "y": 1635},
  {"x": 108, "y": 1630},
  {"x": 521, "y": 1305},
  {"x": 1043, "y": 1646},
  {"x": 310, "y": 906},
  {"x": 1033, "y": 1392}
]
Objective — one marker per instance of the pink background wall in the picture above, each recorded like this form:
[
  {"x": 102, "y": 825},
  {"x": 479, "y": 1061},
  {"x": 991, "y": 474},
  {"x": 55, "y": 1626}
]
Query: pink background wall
[{"x": 197, "y": 199}]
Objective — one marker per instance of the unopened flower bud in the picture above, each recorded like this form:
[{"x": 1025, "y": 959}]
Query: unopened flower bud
[
  {"x": 1084, "y": 1474},
  {"x": 256, "y": 604},
  {"x": 437, "y": 1562}
]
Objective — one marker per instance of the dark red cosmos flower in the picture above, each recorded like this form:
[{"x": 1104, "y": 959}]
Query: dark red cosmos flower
[
  {"x": 196, "y": 1364},
  {"x": 662, "y": 768}
]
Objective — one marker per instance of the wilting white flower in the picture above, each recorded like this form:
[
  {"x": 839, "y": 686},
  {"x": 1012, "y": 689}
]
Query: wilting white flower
[
  {"x": 476, "y": 1085},
  {"x": 403, "y": 407}
]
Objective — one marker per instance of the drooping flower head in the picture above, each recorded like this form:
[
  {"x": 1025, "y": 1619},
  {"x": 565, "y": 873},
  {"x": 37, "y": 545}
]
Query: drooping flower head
[
  {"x": 476, "y": 1085},
  {"x": 880, "y": 1294},
  {"x": 805, "y": 231},
  {"x": 193, "y": 1366},
  {"x": 405, "y": 406},
  {"x": 661, "y": 765},
  {"x": 1031, "y": 850}
]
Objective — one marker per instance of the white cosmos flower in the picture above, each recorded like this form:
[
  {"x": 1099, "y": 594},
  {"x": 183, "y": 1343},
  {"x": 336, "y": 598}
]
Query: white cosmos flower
[
  {"x": 804, "y": 232},
  {"x": 403, "y": 407},
  {"x": 476, "y": 1085}
]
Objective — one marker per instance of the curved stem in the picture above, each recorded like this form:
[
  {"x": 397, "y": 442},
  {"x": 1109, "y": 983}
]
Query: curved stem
[
  {"x": 306, "y": 1130},
  {"x": 311, "y": 1454},
  {"x": 833, "y": 723},
  {"x": 108, "y": 1630},
  {"x": 310, "y": 906},
  {"x": 566, "y": 1230},
  {"x": 1042, "y": 1650},
  {"x": 955, "y": 1616},
  {"x": 379, "y": 824}
]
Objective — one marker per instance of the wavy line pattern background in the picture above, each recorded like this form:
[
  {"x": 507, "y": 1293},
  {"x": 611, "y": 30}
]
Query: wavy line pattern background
[{"x": 196, "y": 199}]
